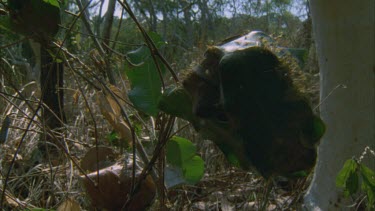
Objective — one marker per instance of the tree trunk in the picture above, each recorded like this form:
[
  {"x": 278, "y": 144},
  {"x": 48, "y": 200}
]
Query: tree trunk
[
  {"x": 51, "y": 79},
  {"x": 108, "y": 21},
  {"x": 205, "y": 25},
  {"x": 345, "y": 38},
  {"x": 186, "y": 6},
  {"x": 154, "y": 18}
]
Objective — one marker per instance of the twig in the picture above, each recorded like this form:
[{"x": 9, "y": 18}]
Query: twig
[
  {"x": 14, "y": 43},
  {"x": 150, "y": 44},
  {"x": 96, "y": 42}
]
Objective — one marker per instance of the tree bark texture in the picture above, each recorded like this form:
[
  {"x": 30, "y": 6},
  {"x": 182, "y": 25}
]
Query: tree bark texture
[
  {"x": 108, "y": 21},
  {"x": 345, "y": 39},
  {"x": 51, "y": 79}
]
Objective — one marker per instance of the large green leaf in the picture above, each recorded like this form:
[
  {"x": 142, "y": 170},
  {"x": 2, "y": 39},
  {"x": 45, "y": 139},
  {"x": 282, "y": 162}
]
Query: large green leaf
[
  {"x": 157, "y": 39},
  {"x": 187, "y": 167},
  {"x": 177, "y": 102},
  {"x": 348, "y": 177},
  {"x": 193, "y": 169},
  {"x": 349, "y": 168},
  {"x": 145, "y": 80},
  {"x": 179, "y": 150},
  {"x": 368, "y": 184},
  {"x": 368, "y": 174}
]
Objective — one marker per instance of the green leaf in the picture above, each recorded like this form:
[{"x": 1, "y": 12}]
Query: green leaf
[
  {"x": 177, "y": 102},
  {"x": 181, "y": 153},
  {"x": 368, "y": 174},
  {"x": 319, "y": 128},
  {"x": 348, "y": 177},
  {"x": 145, "y": 80},
  {"x": 352, "y": 185},
  {"x": 193, "y": 169},
  {"x": 368, "y": 184},
  {"x": 179, "y": 150},
  {"x": 370, "y": 192},
  {"x": 350, "y": 167},
  {"x": 157, "y": 39},
  {"x": 54, "y": 3},
  {"x": 112, "y": 137},
  {"x": 299, "y": 174}
]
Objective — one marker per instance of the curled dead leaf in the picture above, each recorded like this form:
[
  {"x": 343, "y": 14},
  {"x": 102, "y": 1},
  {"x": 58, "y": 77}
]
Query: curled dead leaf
[
  {"x": 112, "y": 113},
  {"x": 76, "y": 97},
  {"x": 114, "y": 187}
]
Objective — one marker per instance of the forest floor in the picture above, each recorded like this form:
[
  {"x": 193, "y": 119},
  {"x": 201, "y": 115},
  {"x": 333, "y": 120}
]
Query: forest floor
[{"x": 47, "y": 179}]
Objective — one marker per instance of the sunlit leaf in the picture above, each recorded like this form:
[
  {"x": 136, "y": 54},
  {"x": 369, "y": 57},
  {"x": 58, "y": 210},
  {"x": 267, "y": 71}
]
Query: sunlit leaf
[
  {"x": 187, "y": 167},
  {"x": 179, "y": 150},
  {"x": 193, "y": 169}
]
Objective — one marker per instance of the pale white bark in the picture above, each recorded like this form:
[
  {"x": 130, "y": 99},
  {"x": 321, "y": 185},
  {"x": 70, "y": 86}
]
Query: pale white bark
[{"x": 345, "y": 38}]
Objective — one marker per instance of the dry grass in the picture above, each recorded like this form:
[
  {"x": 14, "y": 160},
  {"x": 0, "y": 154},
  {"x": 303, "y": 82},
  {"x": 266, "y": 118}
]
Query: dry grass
[{"x": 46, "y": 179}]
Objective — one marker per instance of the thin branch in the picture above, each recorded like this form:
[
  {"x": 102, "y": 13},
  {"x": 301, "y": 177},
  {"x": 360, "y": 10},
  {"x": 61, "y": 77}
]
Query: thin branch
[
  {"x": 14, "y": 43},
  {"x": 96, "y": 42},
  {"x": 150, "y": 43}
]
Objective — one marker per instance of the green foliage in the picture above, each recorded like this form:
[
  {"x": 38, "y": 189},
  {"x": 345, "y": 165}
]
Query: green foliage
[
  {"x": 5, "y": 23},
  {"x": 352, "y": 176},
  {"x": 319, "y": 128},
  {"x": 113, "y": 137},
  {"x": 176, "y": 101},
  {"x": 181, "y": 153},
  {"x": 368, "y": 184},
  {"x": 253, "y": 138},
  {"x": 145, "y": 81}
]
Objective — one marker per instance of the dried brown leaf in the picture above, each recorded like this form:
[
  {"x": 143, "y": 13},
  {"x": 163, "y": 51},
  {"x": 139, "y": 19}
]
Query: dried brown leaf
[
  {"x": 76, "y": 97},
  {"x": 114, "y": 187},
  {"x": 69, "y": 205},
  {"x": 11, "y": 202},
  {"x": 112, "y": 113}
]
